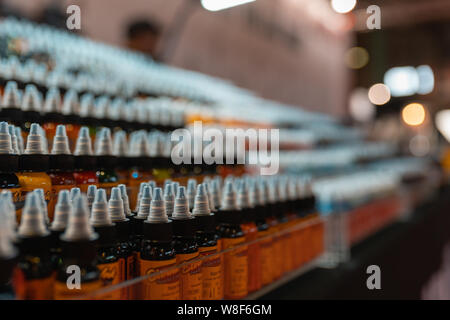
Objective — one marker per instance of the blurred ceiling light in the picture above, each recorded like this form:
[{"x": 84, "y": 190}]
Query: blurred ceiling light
[
  {"x": 379, "y": 94},
  {"x": 413, "y": 114},
  {"x": 419, "y": 145},
  {"x": 426, "y": 79},
  {"x": 360, "y": 107},
  {"x": 443, "y": 123},
  {"x": 217, "y": 5},
  {"x": 403, "y": 81},
  {"x": 343, "y": 6},
  {"x": 356, "y": 57}
]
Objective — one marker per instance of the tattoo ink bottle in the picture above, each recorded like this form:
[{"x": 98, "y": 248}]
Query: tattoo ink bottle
[
  {"x": 85, "y": 162},
  {"x": 11, "y": 110},
  {"x": 31, "y": 107},
  {"x": 123, "y": 231},
  {"x": 106, "y": 162},
  {"x": 61, "y": 216},
  {"x": 212, "y": 273},
  {"x": 130, "y": 260},
  {"x": 236, "y": 260},
  {"x": 214, "y": 204},
  {"x": 138, "y": 225},
  {"x": 282, "y": 214},
  {"x": 107, "y": 260},
  {"x": 52, "y": 116},
  {"x": 250, "y": 231},
  {"x": 9, "y": 163},
  {"x": 61, "y": 167},
  {"x": 258, "y": 193},
  {"x": 34, "y": 242},
  {"x": 8, "y": 253},
  {"x": 78, "y": 243},
  {"x": 186, "y": 248},
  {"x": 33, "y": 165},
  {"x": 158, "y": 253}
]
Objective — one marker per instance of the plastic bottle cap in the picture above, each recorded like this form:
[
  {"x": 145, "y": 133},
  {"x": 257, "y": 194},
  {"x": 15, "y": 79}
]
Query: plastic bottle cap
[
  {"x": 11, "y": 95},
  {"x": 83, "y": 145},
  {"x": 34, "y": 141},
  {"x": 78, "y": 227},
  {"x": 229, "y": 197},
  {"x": 5, "y": 139},
  {"x": 215, "y": 193},
  {"x": 52, "y": 101},
  {"x": 20, "y": 142},
  {"x": 32, "y": 100},
  {"x": 124, "y": 195},
  {"x": 41, "y": 196},
  {"x": 120, "y": 144},
  {"x": 115, "y": 206},
  {"x": 201, "y": 204},
  {"x": 32, "y": 223},
  {"x": 60, "y": 141},
  {"x": 157, "y": 208},
  {"x": 191, "y": 186},
  {"x": 90, "y": 194},
  {"x": 10, "y": 211},
  {"x": 14, "y": 139},
  {"x": 103, "y": 147},
  {"x": 74, "y": 192},
  {"x": 62, "y": 211},
  {"x": 7, "y": 236},
  {"x": 169, "y": 198},
  {"x": 99, "y": 212},
  {"x": 145, "y": 200},
  {"x": 181, "y": 208}
]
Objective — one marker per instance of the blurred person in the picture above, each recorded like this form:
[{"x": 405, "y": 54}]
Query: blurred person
[{"x": 144, "y": 36}]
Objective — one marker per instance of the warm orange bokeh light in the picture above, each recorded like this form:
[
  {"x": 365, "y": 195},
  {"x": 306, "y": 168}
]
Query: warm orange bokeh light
[{"x": 413, "y": 114}]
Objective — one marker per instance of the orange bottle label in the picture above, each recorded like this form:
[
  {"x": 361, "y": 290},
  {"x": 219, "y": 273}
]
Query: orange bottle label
[
  {"x": 110, "y": 275},
  {"x": 38, "y": 289},
  {"x": 212, "y": 274},
  {"x": 190, "y": 277},
  {"x": 266, "y": 257},
  {"x": 254, "y": 260},
  {"x": 236, "y": 269},
  {"x": 165, "y": 286},
  {"x": 62, "y": 292}
]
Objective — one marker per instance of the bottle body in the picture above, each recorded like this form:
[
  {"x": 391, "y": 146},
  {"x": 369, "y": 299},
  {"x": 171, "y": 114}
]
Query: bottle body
[
  {"x": 212, "y": 267},
  {"x": 110, "y": 272},
  {"x": 190, "y": 273},
  {"x": 254, "y": 260},
  {"x": 156, "y": 256},
  {"x": 235, "y": 261}
]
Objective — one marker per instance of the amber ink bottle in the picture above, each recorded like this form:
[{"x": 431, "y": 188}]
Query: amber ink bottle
[
  {"x": 158, "y": 253},
  {"x": 34, "y": 245},
  {"x": 212, "y": 267},
  {"x": 107, "y": 255},
  {"x": 186, "y": 248},
  {"x": 236, "y": 260},
  {"x": 78, "y": 243}
]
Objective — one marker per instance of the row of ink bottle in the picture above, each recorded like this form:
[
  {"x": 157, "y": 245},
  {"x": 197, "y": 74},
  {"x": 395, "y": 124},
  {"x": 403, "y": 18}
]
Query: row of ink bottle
[{"x": 29, "y": 105}]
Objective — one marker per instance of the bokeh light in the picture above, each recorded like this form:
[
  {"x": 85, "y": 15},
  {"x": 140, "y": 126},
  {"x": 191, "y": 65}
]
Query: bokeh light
[
  {"x": 361, "y": 109},
  {"x": 443, "y": 123},
  {"x": 379, "y": 94},
  {"x": 356, "y": 57},
  {"x": 413, "y": 114},
  {"x": 343, "y": 6},
  {"x": 419, "y": 145}
]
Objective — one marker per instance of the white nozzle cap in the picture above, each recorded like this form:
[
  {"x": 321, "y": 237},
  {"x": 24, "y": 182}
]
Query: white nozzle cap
[
  {"x": 60, "y": 141},
  {"x": 181, "y": 209},
  {"x": 99, "y": 212},
  {"x": 201, "y": 204},
  {"x": 78, "y": 227},
  {"x": 144, "y": 207},
  {"x": 62, "y": 211},
  {"x": 83, "y": 146},
  {"x": 32, "y": 223},
  {"x": 115, "y": 206},
  {"x": 157, "y": 208}
]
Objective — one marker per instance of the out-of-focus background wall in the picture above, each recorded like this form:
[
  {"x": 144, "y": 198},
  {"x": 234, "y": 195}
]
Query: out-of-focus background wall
[{"x": 287, "y": 50}]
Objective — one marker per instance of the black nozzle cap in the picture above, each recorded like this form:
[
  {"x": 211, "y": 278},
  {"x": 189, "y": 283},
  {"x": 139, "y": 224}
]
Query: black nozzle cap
[
  {"x": 61, "y": 162},
  {"x": 9, "y": 163},
  {"x": 161, "y": 231},
  {"x": 34, "y": 162},
  {"x": 184, "y": 227}
]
